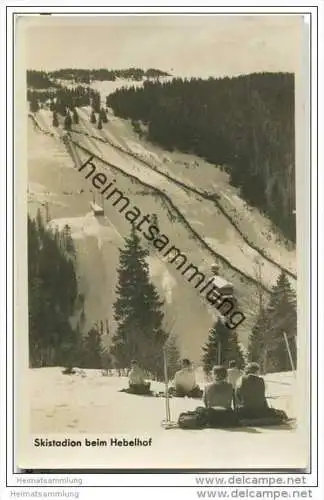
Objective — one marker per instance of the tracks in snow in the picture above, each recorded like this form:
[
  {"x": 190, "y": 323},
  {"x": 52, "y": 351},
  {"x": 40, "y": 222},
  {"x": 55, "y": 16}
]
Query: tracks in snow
[
  {"x": 175, "y": 210},
  {"x": 163, "y": 196},
  {"x": 202, "y": 194}
]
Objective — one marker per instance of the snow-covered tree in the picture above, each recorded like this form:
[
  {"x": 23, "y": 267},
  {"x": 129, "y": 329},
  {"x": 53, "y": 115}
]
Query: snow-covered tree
[{"x": 138, "y": 312}]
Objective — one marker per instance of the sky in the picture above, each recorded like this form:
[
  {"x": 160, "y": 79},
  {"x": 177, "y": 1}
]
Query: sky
[{"x": 203, "y": 46}]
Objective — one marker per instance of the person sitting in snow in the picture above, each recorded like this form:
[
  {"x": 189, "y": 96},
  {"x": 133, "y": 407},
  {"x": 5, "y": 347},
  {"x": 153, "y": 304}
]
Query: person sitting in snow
[
  {"x": 250, "y": 393},
  {"x": 136, "y": 380},
  {"x": 251, "y": 399},
  {"x": 185, "y": 382},
  {"x": 217, "y": 398},
  {"x": 219, "y": 393}
]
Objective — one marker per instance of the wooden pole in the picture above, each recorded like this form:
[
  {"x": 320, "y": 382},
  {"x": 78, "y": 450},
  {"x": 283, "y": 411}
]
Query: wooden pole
[
  {"x": 265, "y": 355},
  {"x": 289, "y": 353},
  {"x": 167, "y": 401},
  {"x": 167, "y": 423}
]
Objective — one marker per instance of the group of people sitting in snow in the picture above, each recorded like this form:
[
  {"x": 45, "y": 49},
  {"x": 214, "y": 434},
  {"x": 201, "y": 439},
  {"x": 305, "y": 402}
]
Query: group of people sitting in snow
[{"x": 232, "y": 393}]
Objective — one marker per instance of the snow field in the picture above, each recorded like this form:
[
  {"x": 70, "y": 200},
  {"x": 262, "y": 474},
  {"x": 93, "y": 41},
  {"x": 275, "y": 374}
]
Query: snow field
[{"x": 91, "y": 406}]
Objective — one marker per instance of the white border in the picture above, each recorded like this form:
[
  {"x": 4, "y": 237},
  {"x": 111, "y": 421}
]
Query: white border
[{"x": 156, "y": 479}]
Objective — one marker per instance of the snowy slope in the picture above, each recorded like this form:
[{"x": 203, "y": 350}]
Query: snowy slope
[
  {"x": 188, "y": 169},
  {"x": 91, "y": 405},
  {"x": 218, "y": 232},
  {"x": 98, "y": 240}
]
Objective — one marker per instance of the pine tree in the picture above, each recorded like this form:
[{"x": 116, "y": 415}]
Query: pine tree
[
  {"x": 137, "y": 312},
  {"x": 61, "y": 108},
  {"x": 173, "y": 356},
  {"x": 213, "y": 347},
  {"x": 221, "y": 347},
  {"x": 75, "y": 116},
  {"x": 92, "y": 349},
  {"x": 267, "y": 344},
  {"x": 281, "y": 317},
  {"x": 232, "y": 350},
  {"x": 250, "y": 130},
  {"x": 96, "y": 102},
  {"x": 34, "y": 295},
  {"x": 99, "y": 123},
  {"x": 55, "y": 119},
  {"x": 68, "y": 122},
  {"x": 93, "y": 117},
  {"x": 53, "y": 292},
  {"x": 103, "y": 115},
  {"x": 34, "y": 104},
  {"x": 67, "y": 241}
]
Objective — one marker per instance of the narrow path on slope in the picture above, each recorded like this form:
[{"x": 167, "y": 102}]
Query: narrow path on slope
[{"x": 206, "y": 196}]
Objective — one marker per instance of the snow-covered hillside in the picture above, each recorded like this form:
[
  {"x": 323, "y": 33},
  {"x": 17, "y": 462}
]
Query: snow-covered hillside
[
  {"x": 55, "y": 181},
  {"x": 108, "y": 87},
  {"x": 172, "y": 186},
  {"x": 92, "y": 405}
]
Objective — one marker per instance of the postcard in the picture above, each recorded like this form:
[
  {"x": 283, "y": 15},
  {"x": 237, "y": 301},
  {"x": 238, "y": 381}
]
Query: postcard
[{"x": 162, "y": 242}]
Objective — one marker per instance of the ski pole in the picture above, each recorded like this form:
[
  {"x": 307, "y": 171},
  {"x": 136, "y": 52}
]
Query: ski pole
[
  {"x": 167, "y": 402},
  {"x": 289, "y": 353}
]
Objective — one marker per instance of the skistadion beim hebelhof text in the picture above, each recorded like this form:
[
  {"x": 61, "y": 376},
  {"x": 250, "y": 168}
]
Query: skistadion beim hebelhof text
[{"x": 225, "y": 305}]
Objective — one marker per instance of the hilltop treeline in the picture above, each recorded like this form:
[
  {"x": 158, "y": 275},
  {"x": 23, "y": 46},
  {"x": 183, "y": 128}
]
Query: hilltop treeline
[
  {"x": 41, "y": 79},
  {"x": 64, "y": 98},
  {"x": 86, "y": 75},
  {"x": 244, "y": 123}
]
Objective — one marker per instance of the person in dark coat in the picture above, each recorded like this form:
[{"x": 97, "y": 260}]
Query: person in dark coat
[{"x": 250, "y": 393}]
